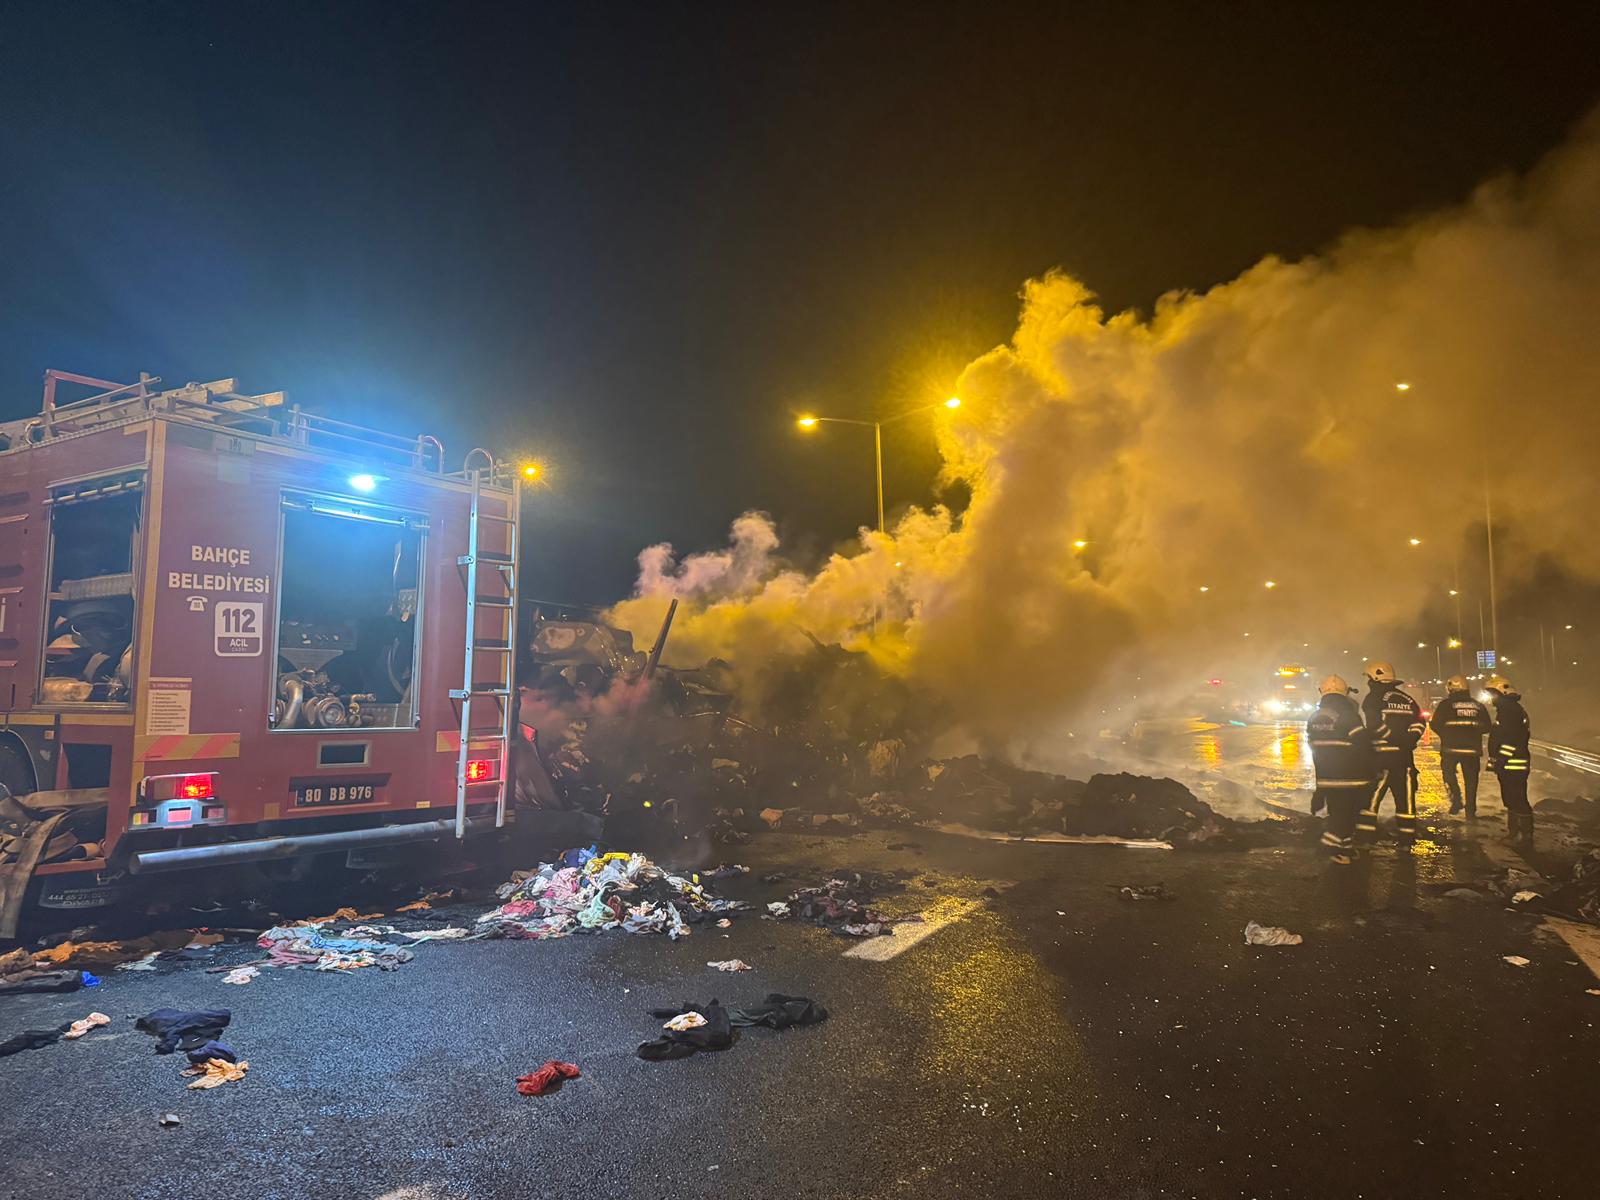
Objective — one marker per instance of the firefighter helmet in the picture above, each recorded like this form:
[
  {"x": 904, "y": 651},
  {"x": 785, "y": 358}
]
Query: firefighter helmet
[
  {"x": 1499, "y": 685},
  {"x": 1456, "y": 683},
  {"x": 1334, "y": 685},
  {"x": 1381, "y": 672}
]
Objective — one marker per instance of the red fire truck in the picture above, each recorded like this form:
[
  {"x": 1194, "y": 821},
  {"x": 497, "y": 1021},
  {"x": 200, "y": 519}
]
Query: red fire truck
[{"x": 237, "y": 634}]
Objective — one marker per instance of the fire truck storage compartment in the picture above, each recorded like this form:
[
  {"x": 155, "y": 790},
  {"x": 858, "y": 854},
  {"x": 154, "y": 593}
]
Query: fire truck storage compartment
[
  {"x": 94, "y": 533},
  {"x": 348, "y": 611}
]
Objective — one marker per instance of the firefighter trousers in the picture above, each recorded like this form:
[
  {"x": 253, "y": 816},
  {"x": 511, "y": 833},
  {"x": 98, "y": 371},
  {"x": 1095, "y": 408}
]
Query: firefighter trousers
[
  {"x": 1460, "y": 773},
  {"x": 1339, "y": 834},
  {"x": 1514, "y": 791},
  {"x": 1397, "y": 779}
]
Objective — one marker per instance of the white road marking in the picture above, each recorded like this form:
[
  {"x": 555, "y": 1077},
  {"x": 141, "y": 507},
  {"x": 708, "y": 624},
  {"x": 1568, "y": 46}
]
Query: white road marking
[
  {"x": 1584, "y": 941},
  {"x": 1053, "y": 839},
  {"x": 934, "y": 918}
]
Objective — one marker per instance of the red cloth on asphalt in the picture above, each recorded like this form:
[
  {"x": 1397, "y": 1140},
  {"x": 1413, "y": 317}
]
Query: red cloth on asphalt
[{"x": 536, "y": 1083}]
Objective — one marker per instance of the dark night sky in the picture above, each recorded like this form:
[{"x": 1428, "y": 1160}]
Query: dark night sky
[{"x": 639, "y": 238}]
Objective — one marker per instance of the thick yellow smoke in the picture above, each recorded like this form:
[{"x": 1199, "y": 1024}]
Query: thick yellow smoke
[{"x": 1249, "y": 433}]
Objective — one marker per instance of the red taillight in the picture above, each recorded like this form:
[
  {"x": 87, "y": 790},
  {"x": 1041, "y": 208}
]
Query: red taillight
[
  {"x": 480, "y": 770},
  {"x": 196, "y": 787}
]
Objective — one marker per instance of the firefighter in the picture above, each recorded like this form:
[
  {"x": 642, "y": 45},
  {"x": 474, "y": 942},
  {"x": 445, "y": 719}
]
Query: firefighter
[
  {"x": 1341, "y": 749},
  {"x": 1394, "y": 721},
  {"x": 1460, "y": 723},
  {"x": 1510, "y": 758}
]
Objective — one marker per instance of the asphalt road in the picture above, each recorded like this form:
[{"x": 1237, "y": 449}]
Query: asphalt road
[{"x": 1049, "y": 1040}]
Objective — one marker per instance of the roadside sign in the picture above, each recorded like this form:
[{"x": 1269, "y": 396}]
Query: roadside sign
[{"x": 1486, "y": 660}]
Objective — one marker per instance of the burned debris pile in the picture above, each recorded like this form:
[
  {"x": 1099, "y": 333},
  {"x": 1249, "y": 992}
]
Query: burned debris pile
[{"x": 824, "y": 743}]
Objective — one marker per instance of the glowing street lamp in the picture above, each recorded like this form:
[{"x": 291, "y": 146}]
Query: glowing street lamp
[
  {"x": 530, "y": 470},
  {"x": 1083, "y": 544},
  {"x": 1270, "y": 584},
  {"x": 1402, "y": 387},
  {"x": 811, "y": 422},
  {"x": 1415, "y": 541}
]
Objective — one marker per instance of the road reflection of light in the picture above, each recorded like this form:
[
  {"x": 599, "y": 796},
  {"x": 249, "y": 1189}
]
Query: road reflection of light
[{"x": 957, "y": 980}]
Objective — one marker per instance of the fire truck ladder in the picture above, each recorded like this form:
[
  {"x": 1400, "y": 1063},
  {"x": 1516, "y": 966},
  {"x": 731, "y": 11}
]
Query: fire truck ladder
[{"x": 492, "y": 589}]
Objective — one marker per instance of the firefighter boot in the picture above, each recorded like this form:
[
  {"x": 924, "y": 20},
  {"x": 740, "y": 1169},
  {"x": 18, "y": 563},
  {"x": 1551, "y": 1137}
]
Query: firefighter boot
[{"x": 1525, "y": 820}]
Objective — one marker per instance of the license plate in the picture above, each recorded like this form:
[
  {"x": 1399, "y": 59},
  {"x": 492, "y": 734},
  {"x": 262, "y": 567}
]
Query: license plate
[{"x": 323, "y": 793}]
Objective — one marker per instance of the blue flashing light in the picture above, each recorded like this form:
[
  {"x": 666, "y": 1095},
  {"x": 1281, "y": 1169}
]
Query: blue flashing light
[{"x": 363, "y": 482}]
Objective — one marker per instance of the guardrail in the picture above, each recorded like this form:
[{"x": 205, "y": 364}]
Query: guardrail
[{"x": 1569, "y": 756}]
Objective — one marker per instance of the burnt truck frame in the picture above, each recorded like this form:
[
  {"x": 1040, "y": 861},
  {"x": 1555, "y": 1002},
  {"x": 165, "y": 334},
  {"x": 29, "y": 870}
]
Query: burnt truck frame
[{"x": 228, "y": 729}]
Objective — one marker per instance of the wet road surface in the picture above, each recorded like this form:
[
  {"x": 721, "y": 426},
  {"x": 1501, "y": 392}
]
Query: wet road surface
[{"x": 1050, "y": 1039}]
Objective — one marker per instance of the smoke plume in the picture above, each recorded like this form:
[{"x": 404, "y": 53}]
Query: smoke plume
[{"x": 1249, "y": 433}]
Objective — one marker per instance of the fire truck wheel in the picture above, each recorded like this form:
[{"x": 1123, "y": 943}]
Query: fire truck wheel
[{"x": 16, "y": 772}]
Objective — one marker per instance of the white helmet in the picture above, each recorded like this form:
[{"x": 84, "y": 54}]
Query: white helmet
[
  {"x": 1456, "y": 683},
  {"x": 1381, "y": 672},
  {"x": 1499, "y": 685},
  {"x": 1334, "y": 685}
]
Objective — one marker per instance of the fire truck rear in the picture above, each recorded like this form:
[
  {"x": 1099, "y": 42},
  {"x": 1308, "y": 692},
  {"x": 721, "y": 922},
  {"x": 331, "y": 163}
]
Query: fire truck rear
[{"x": 235, "y": 634}]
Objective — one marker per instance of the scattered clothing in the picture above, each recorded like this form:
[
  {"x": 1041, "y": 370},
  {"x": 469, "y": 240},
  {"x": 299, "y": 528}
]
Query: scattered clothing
[
  {"x": 778, "y": 1011},
  {"x": 1516, "y": 960},
  {"x": 105, "y": 954},
  {"x": 1270, "y": 935},
  {"x": 731, "y": 964},
  {"x": 83, "y": 1025},
  {"x": 1145, "y": 891},
  {"x": 727, "y": 872},
  {"x": 696, "y": 1027},
  {"x": 547, "y": 1077},
  {"x": 306, "y": 945},
  {"x": 715, "y": 1033},
  {"x": 147, "y": 963},
  {"x": 203, "y": 1053},
  {"x": 32, "y": 1039},
  {"x": 28, "y": 982},
  {"x": 215, "y": 1072},
  {"x": 181, "y": 1030},
  {"x": 598, "y": 893},
  {"x": 778, "y": 909},
  {"x": 844, "y": 904},
  {"x": 240, "y": 975}
]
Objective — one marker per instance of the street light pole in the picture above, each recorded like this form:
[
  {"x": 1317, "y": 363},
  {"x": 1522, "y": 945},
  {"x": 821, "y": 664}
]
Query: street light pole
[
  {"x": 877, "y": 443},
  {"x": 877, "y": 440}
]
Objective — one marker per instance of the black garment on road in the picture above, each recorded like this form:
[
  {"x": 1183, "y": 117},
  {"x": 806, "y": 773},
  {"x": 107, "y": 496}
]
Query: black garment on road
[
  {"x": 778, "y": 1011},
  {"x": 204, "y": 1053},
  {"x": 32, "y": 1039},
  {"x": 715, "y": 1034},
  {"x": 180, "y": 1030},
  {"x": 27, "y": 982}
]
